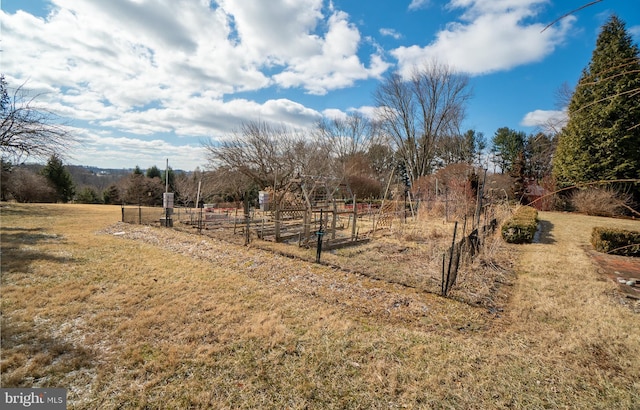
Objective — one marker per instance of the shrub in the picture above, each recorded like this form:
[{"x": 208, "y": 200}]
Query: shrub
[
  {"x": 600, "y": 202},
  {"x": 522, "y": 226},
  {"x": 364, "y": 187},
  {"x": 616, "y": 241},
  {"x": 88, "y": 195},
  {"x": 25, "y": 185}
]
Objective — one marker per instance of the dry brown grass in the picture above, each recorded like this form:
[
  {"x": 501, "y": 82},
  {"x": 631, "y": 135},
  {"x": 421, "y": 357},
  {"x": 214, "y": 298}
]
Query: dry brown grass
[
  {"x": 409, "y": 253},
  {"x": 153, "y": 318}
]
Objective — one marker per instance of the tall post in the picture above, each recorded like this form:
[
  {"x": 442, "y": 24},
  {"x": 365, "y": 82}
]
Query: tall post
[
  {"x": 166, "y": 177},
  {"x": 404, "y": 208},
  {"x": 198, "y": 195},
  {"x": 442, "y": 287},
  {"x": 453, "y": 247},
  {"x": 277, "y": 221},
  {"x": 247, "y": 219},
  {"x": 355, "y": 218},
  {"x": 334, "y": 220},
  {"x": 480, "y": 195},
  {"x": 167, "y": 200},
  {"x": 320, "y": 233}
]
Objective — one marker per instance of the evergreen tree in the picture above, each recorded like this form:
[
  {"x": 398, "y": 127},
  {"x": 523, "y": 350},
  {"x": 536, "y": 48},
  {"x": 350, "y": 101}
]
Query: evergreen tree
[
  {"x": 154, "y": 172},
  {"x": 88, "y": 195},
  {"x": 517, "y": 172},
  {"x": 508, "y": 144},
  {"x": 111, "y": 195},
  {"x": 5, "y": 174},
  {"x": 602, "y": 138},
  {"x": 538, "y": 151},
  {"x": 60, "y": 179},
  {"x": 172, "y": 179}
]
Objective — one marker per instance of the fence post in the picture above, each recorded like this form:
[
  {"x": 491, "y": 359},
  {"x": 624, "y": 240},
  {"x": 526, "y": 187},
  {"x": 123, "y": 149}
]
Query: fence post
[
  {"x": 355, "y": 218},
  {"x": 453, "y": 245},
  {"x": 464, "y": 237},
  {"x": 247, "y": 220},
  {"x": 479, "y": 196},
  {"x": 442, "y": 284},
  {"x": 320, "y": 233}
]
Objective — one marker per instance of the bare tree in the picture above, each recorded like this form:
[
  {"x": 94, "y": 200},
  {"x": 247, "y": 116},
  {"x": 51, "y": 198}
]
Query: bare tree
[
  {"x": 27, "y": 130},
  {"x": 26, "y": 185},
  {"x": 418, "y": 111},
  {"x": 268, "y": 155},
  {"x": 228, "y": 185},
  {"x": 345, "y": 142},
  {"x": 348, "y": 136},
  {"x": 187, "y": 187}
]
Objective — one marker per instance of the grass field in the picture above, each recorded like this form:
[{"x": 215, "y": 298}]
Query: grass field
[{"x": 138, "y": 317}]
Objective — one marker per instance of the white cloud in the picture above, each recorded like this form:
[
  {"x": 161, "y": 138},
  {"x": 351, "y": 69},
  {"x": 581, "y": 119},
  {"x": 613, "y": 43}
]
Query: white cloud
[
  {"x": 107, "y": 151},
  {"x": 548, "y": 120},
  {"x": 333, "y": 113},
  {"x": 389, "y": 32},
  {"x": 336, "y": 66},
  {"x": 419, "y": 4},
  {"x": 491, "y": 36},
  {"x": 174, "y": 66}
]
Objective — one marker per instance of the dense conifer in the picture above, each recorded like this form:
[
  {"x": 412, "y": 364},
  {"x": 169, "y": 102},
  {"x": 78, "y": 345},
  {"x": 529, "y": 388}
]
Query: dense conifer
[{"x": 601, "y": 140}]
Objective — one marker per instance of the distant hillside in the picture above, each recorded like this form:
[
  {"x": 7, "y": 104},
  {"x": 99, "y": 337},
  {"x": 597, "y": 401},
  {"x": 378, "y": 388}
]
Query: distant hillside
[{"x": 99, "y": 178}]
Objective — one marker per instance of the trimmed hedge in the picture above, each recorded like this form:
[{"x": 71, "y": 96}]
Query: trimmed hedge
[
  {"x": 522, "y": 226},
  {"x": 616, "y": 241}
]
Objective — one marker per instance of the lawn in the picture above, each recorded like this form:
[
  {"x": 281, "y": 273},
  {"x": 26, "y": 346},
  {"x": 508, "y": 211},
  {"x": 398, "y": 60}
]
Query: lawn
[{"x": 126, "y": 316}]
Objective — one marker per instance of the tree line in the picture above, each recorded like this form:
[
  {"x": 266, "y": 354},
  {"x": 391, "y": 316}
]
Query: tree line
[{"x": 414, "y": 131}]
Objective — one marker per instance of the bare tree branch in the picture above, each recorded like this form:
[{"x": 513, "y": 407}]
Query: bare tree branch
[
  {"x": 269, "y": 155},
  {"x": 419, "y": 112},
  {"x": 29, "y": 131},
  {"x": 570, "y": 13}
]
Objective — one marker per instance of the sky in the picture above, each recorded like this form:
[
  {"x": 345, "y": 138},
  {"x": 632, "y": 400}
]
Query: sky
[{"x": 142, "y": 81}]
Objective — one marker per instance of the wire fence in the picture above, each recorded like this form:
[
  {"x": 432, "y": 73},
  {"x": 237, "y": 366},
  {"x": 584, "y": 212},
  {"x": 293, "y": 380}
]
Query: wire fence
[
  {"x": 345, "y": 227},
  {"x": 463, "y": 252}
]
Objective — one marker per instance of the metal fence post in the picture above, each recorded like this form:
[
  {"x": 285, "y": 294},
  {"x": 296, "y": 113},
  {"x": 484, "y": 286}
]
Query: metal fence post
[
  {"x": 453, "y": 245},
  {"x": 320, "y": 233}
]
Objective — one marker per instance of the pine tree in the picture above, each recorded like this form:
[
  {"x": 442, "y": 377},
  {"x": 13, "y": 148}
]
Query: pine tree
[
  {"x": 111, "y": 195},
  {"x": 154, "y": 172},
  {"x": 602, "y": 138},
  {"x": 60, "y": 179},
  {"x": 507, "y": 146}
]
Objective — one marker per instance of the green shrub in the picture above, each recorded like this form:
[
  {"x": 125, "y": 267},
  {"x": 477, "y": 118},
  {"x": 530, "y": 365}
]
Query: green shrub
[
  {"x": 522, "y": 226},
  {"x": 616, "y": 241}
]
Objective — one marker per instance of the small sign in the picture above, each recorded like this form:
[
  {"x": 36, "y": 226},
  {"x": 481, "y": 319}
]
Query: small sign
[{"x": 167, "y": 200}]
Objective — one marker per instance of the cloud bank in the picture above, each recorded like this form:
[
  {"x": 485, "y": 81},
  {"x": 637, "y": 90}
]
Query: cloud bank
[
  {"x": 490, "y": 36},
  {"x": 163, "y": 74}
]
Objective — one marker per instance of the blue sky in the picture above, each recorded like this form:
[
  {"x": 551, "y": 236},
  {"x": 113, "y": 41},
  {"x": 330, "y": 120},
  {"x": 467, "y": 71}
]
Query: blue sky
[{"x": 139, "y": 81}]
